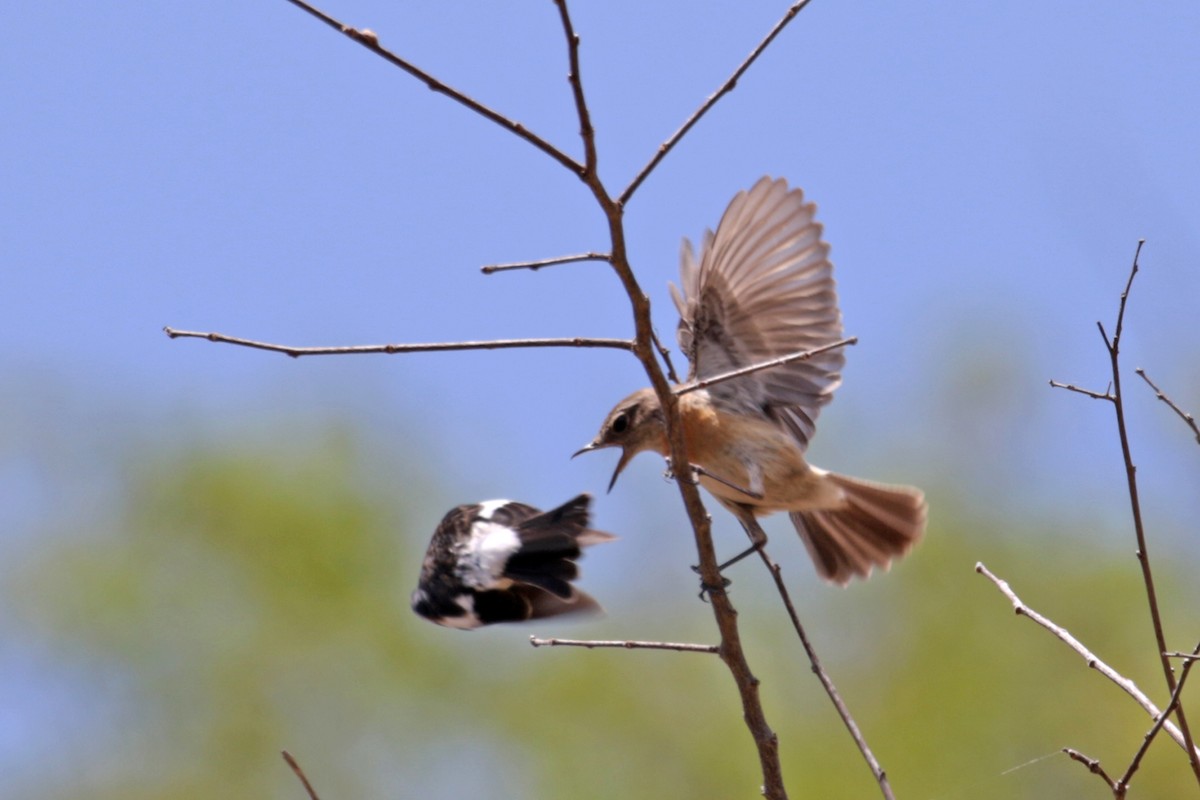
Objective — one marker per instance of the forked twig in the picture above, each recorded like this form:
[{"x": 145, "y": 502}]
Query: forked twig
[
  {"x": 312, "y": 793},
  {"x": 370, "y": 41},
  {"x": 495, "y": 344},
  {"x": 1122, "y": 785},
  {"x": 1093, "y": 661},
  {"x": 725, "y": 88},
  {"x": 1114, "y": 346},
  {"x": 626, "y": 644}
]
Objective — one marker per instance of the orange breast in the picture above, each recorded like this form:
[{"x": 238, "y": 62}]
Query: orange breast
[{"x": 746, "y": 450}]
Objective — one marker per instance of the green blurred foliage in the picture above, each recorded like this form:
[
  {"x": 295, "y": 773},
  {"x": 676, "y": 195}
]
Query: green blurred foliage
[{"x": 250, "y": 596}]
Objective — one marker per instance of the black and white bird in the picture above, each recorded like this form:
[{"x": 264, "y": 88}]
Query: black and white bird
[{"x": 503, "y": 561}]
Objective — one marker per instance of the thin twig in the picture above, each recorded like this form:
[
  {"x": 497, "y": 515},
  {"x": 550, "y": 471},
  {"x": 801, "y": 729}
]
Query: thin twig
[
  {"x": 1122, "y": 785},
  {"x": 628, "y": 645},
  {"x": 1093, "y": 765},
  {"x": 802, "y": 355},
  {"x": 756, "y": 533},
  {"x": 312, "y": 793},
  {"x": 586, "y": 132},
  {"x": 1143, "y": 555},
  {"x": 495, "y": 344},
  {"x": 666, "y": 357},
  {"x": 1186, "y": 656},
  {"x": 370, "y": 40},
  {"x": 726, "y": 87},
  {"x": 545, "y": 262},
  {"x": 1187, "y": 418},
  {"x": 1070, "y": 387},
  {"x": 1091, "y": 658}
]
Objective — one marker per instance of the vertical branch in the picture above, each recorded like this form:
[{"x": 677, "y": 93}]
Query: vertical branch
[
  {"x": 1113, "y": 346},
  {"x": 730, "y": 649}
]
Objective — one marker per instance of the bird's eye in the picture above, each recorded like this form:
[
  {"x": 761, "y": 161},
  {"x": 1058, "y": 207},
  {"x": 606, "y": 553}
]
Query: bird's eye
[{"x": 620, "y": 424}]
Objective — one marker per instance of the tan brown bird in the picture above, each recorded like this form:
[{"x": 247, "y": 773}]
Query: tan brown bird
[{"x": 764, "y": 288}]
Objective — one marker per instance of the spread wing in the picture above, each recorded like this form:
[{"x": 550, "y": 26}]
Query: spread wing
[{"x": 763, "y": 288}]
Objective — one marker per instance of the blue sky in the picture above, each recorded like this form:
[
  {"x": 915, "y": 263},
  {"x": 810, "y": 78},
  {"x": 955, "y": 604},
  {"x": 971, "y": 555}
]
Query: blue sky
[{"x": 983, "y": 171}]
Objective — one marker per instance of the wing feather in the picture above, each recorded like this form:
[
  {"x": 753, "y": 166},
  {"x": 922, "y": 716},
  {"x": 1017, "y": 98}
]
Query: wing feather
[{"x": 762, "y": 288}]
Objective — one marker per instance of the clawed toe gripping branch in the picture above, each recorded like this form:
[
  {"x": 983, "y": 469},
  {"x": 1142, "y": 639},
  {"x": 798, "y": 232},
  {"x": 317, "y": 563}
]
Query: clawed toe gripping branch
[
  {"x": 1178, "y": 731},
  {"x": 645, "y": 346}
]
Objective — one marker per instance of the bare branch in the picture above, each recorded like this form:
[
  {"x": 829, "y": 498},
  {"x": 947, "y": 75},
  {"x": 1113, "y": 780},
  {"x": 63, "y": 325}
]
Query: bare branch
[
  {"x": 1143, "y": 554},
  {"x": 370, "y": 40},
  {"x": 495, "y": 344},
  {"x": 1116, "y": 339},
  {"x": 1093, "y": 765},
  {"x": 1185, "y": 656},
  {"x": 802, "y": 355},
  {"x": 1091, "y": 658},
  {"x": 1122, "y": 785},
  {"x": 726, "y": 87},
  {"x": 545, "y": 262},
  {"x": 756, "y": 533},
  {"x": 666, "y": 357},
  {"x": 1070, "y": 387},
  {"x": 1188, "y": 419},
  {"x": 628, "y": 645},
  {"x": 312, "y": 793},
  {"x": 586, "y": 131}
]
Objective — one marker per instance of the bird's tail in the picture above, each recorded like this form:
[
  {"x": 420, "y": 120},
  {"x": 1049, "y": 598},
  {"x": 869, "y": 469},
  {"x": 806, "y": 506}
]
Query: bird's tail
[
  {"x": 544, "y": 565},
  {"x": 875, "y": 525}
]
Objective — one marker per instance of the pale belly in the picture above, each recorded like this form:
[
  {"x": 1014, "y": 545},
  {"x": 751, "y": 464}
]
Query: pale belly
[{"x": 757, "y": 455}]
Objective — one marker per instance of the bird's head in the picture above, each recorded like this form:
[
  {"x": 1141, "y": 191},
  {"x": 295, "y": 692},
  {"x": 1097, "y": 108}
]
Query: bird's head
[{"x": 635, "y": 424}]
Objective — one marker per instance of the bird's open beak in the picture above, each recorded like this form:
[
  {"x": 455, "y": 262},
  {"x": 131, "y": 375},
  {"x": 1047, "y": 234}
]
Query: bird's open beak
[
  {"x": 626, "y": 455},
  {"x": 596, "y": 445},
  {"x": 587, "y": 448}
]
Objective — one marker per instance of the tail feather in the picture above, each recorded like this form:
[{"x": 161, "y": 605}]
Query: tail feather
[{"x": 876, "y": 525}]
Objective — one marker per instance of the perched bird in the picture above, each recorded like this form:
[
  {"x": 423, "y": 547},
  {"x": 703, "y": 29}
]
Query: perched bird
[
  {"x": 502, "y": 561},
  {"x": 764, "y": 288}
]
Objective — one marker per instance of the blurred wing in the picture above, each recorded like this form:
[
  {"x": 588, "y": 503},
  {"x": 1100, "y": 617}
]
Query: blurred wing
[{"x": 764, "y": 288}]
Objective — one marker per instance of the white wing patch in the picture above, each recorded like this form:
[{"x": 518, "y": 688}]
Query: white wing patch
[
  {"x": 482, "y": 557},
  {"x": 488, "y": 507}
]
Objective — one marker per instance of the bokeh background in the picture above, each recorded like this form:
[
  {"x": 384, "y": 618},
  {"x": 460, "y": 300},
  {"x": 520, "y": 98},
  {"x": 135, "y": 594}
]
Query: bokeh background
[{"x": 206, "y": 551}]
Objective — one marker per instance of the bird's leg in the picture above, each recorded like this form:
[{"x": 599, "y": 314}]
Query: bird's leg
[
  {"x": 758, "y": 540},
  {"x": 699, "y": 471},
  {"x": 758, "y": 537}
]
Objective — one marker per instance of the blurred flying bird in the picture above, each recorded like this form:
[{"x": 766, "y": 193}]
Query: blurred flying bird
[{"x": 503, "y": 561}]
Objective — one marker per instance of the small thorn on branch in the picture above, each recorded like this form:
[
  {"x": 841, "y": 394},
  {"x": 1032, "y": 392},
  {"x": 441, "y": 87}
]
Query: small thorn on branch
[
  {"x": 365, "y": 36},
  {"x": 625, "y": 644}
]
